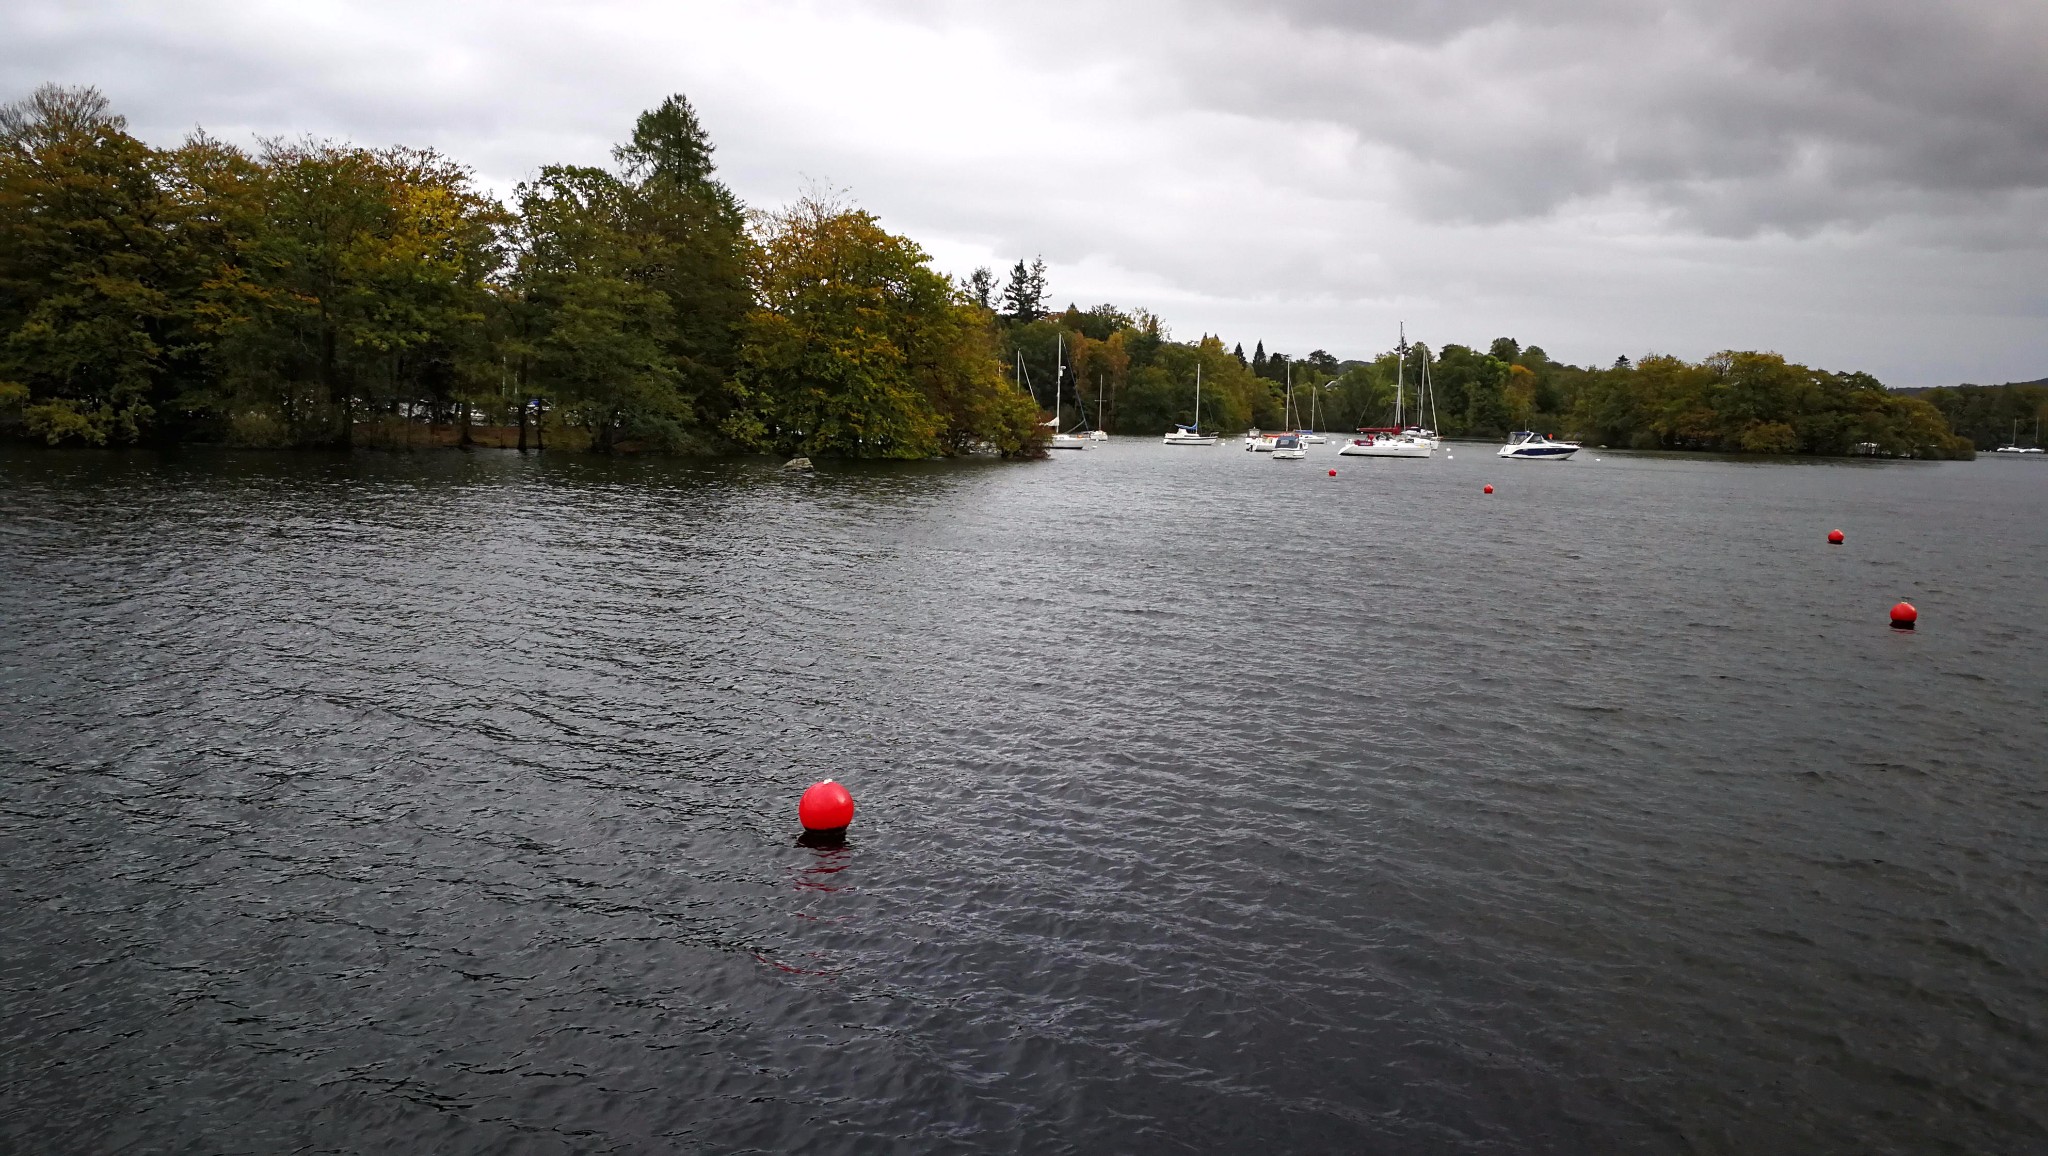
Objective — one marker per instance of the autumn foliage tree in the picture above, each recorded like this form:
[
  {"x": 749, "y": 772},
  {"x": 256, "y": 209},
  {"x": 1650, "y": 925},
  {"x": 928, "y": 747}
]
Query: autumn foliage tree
[{"x": 857, "y": 348}]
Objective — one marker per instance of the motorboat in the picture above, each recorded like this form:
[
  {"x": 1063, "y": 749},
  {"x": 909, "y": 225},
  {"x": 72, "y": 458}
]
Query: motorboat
[
  {"x": 1389, "y": 442},
  {"x": 1536, "y": 447},
  {"x": 1310, "y": 437},
  {"x": 1287, "y": 448},
  {"x": 1096, "y": 435},
  {"x": 1192, "y": 435},
  {"x": 1261, "y": 443}
]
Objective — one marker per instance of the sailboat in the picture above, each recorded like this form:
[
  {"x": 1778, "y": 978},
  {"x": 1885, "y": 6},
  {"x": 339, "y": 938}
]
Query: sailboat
[
  {"x": 1062, "y": 441},
  {"x": 1192, "y": 435},
  {"x": 1309, "y": 436},
  {"x": 1392, "y": 441},
  {"x": 2014, "y": 447},
  {"x": 1098, "y": 434}
]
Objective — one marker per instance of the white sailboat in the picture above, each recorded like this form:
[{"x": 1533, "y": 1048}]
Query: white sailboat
[
  {"x": 1192, "y": 435},
  {"x": 1395, "y": 441},
  {"x": 1061, "y": 441},
  {"x": 1309, "y": 436},
  {"x": 2013, "y": 446}
]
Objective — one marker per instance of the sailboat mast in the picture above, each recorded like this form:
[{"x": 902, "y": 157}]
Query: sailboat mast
[
  {"x": 1287, "y": 407},
  {"x": 1059, "y": 358},
  {"x": 1400, "y": 371},
  {"x": 1435, "y": 426},
  {"x": 1198, "y": 397}
]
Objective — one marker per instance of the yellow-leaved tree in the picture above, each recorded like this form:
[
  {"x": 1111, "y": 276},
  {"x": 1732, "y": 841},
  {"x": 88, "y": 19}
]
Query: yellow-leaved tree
[{"x": 857, "y": 348}]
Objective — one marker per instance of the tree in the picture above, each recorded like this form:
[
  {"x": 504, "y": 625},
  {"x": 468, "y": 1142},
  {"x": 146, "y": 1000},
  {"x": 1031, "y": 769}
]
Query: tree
[
  {"x": 95, "y": 290},
  {"x": 597, "y": 329},
  {"x": 692, "y": 237},
  {"x": 1024, "y": 296},
  {"x": 353, "y": 288},
  {"x": 859, "y": 349},
  {"x": 981, "y": 287},
  {"x": 669, "y": 145}
]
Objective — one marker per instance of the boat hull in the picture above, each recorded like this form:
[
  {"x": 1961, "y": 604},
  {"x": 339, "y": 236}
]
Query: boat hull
[
  {"x": 1197, "y": 440},
  {"x": 1384, "y": 449},
  {"x": 1068, "y": 442},
  {"x": 1538, "y": 453}
]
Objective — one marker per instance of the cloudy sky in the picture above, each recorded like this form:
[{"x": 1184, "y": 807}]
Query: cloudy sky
[{"x": 1858, "y": 184}]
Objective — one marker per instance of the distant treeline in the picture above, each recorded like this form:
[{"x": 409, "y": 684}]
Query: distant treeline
[
  {"x": 1994, "y": 415},
  {"x": 314, "y": 294}
]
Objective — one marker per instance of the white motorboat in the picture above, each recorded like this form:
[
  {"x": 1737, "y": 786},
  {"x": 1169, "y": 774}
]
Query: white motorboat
[
  {"x": 1385, "y": 443},
  {"x": 1310, "y": 437},
  {"x": 1261, "y": 443},
  {"x": 1096, "y": 435},
  {"x": 1287, "y": 448},
  {"x": 1192, "y": 435},
  {"x": 1536, "y": 447}
]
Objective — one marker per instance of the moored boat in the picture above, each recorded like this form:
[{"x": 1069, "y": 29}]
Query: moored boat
[
  {"x": 1536, "y": 447},
  {"x": 1388, "y": 442},
  {"x": 1192, "y": 435}
]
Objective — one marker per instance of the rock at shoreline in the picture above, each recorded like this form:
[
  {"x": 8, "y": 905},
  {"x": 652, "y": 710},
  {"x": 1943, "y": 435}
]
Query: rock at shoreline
[{"x": 803, "y": 464}]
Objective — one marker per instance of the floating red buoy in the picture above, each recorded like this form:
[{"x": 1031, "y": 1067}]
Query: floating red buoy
[
  {"x": 1333, "y": 473},
  {"x": 1834, "y": 537},
  {"x": 1904, "y": 616},
  {"x": 826, "y": 806},
  {"x": 1489, "y": 489}
]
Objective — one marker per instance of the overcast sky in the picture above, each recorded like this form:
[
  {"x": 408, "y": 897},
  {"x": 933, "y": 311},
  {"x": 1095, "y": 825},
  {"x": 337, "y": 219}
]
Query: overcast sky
[{"x": 1858, "y": 184}]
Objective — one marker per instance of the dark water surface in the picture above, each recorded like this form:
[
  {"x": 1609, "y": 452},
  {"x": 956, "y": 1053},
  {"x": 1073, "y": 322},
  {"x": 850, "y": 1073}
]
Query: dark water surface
[{"x": 1207, "y": 804}]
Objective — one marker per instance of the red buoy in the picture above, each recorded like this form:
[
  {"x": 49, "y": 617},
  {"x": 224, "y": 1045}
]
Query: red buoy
[
  {"x": 1333, "y": 473},
  {"x": 1489, "y": 489},
  {"x": 1834, "y": 537},
  {"x": 1904, "y": 616},
  {"x": 826, "y": 806}
]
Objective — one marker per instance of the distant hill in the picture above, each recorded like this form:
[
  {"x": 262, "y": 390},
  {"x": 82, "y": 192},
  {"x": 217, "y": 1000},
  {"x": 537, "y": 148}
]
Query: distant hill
[{"x": 1916, "y": 390}]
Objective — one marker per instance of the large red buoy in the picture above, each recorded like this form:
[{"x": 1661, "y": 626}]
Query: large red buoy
[
  {"x": 1834, "y": 537},
  {"x": 1904, "y": 616},
  {"x": 826, "y": 806},
  {"x": 1489, "y": 489},
  {"x": 1333, "y": 473}
]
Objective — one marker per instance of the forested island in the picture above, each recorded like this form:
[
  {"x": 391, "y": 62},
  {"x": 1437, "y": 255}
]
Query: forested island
[{"x": 310, "y": 294}]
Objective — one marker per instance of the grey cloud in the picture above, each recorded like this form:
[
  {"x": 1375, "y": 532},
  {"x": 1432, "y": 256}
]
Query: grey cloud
[{"x": 1738, "y": 115}]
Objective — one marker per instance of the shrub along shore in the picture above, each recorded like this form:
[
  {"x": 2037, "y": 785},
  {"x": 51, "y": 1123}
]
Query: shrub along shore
[{"x": 308, "y": 293}]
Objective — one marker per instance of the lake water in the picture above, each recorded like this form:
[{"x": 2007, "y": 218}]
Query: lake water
[{"x": 1207, "y": 803}]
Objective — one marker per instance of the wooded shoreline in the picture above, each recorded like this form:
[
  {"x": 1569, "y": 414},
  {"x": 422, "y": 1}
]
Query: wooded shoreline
[{"x": 303, "y": 293}]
